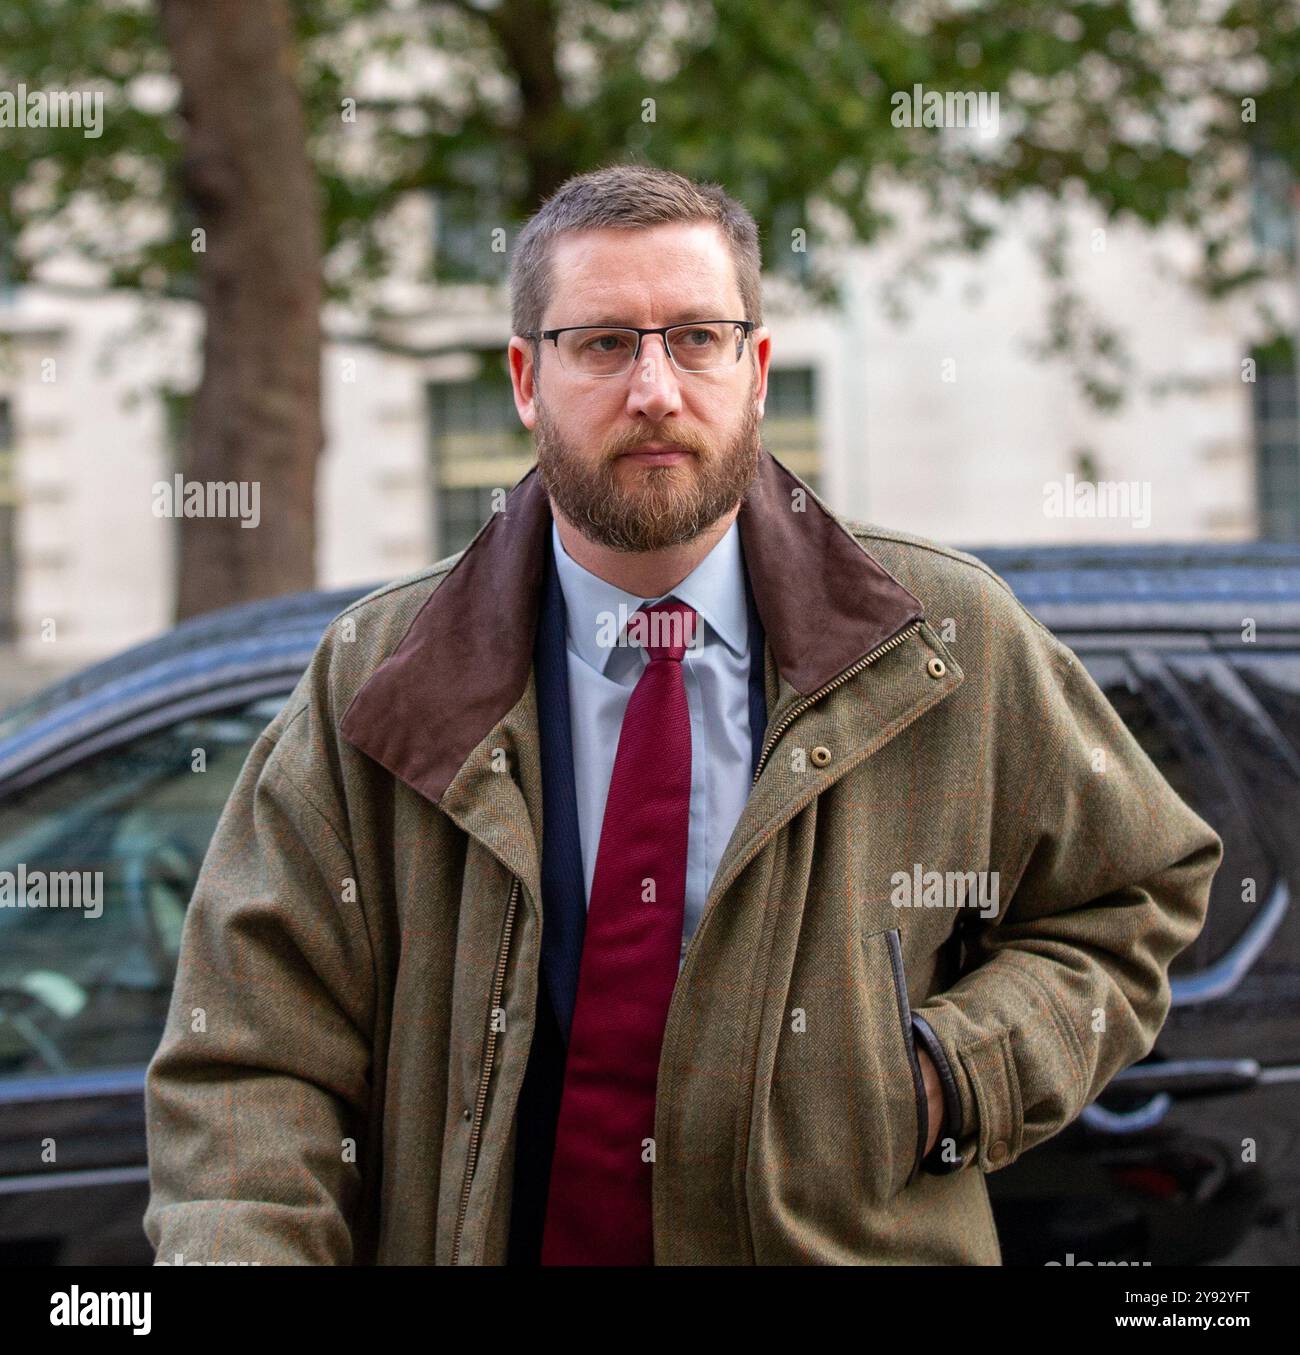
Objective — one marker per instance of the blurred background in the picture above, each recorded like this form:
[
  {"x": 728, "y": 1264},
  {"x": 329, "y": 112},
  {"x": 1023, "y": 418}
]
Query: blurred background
[
  {"x": 279, "y": 258},
  {"x": 1032, "y": 277}
]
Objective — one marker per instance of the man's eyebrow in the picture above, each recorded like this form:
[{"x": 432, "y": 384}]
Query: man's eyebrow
[{"x": 678, "y": 317}]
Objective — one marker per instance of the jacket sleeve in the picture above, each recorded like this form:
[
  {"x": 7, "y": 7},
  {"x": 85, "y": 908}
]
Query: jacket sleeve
[
  {"x": 926, "y": 1039},
  {"x": 257, "y": 1094},
  {"x": 1068, "y": 983}
]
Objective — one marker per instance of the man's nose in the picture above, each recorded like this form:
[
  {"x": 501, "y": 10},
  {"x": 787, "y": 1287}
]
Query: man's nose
[{"x": 653, "y": 389}]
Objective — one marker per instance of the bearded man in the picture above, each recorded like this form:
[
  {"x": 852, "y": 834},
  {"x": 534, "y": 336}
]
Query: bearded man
[{"x": 531, "y": 936}]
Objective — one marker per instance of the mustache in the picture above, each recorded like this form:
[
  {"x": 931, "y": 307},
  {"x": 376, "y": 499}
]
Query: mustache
[{"x": 631, "y": 440}]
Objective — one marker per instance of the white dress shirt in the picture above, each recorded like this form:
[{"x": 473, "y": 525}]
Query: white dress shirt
[{"x": 716, "y": 677}]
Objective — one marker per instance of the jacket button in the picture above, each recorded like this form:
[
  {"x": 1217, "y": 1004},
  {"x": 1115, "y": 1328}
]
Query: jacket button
[
  {"x": 998, "y": 1151},
  {"x": 936, "y": 668},
  {"x": 821, "y": 755},
  {"x": 468, "y": 1116}
]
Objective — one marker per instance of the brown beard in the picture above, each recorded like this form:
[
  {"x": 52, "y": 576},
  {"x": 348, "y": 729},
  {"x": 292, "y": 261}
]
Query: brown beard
[{"x": 667, "y": 505}]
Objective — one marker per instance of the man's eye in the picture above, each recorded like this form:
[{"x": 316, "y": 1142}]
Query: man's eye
[
  {"x": 700, "y": 338},
  {"x": 616, "y": 340}
]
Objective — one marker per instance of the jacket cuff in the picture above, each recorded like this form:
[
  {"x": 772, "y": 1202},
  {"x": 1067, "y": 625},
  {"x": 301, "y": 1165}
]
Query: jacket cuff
[{"x": 953, "y": 1131}]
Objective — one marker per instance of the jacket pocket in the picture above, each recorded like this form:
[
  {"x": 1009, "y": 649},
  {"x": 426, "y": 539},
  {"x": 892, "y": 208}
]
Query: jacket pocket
[
  {"x": 837, "y": 1119},
  {"x": 899, "y": 977},
  {"x": 894, "y": 1093}
]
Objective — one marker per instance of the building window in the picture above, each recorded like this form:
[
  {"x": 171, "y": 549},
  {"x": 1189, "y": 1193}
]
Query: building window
[
  {"x": 463, "y": 240},
  {"x": 1277, "y": 442},
  {"x": 789, "y": 427},
  {"x": 472, "y": 222},
  {"x": 791, "y": 254},
  {"x": 478, "y": 446},
  {"x": 1272, "y": 209}
]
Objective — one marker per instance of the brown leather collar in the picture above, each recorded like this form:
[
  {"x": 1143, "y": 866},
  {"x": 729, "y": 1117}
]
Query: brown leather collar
[{"x": 465, "y": 659}]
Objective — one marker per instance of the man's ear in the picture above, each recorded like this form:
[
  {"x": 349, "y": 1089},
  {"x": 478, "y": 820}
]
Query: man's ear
[
  {"x": 523, "y": 378},
  {"x": 761, "y": 342}
]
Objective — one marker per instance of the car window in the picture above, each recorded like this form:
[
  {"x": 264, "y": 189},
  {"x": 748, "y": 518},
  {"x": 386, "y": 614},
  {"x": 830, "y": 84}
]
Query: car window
[
  {"x": 1166, "y": 701},
  {"x": 1245, "y": 709},
  {"x": 97, "y": 865},
  {"x": 1274, "y": 678}
]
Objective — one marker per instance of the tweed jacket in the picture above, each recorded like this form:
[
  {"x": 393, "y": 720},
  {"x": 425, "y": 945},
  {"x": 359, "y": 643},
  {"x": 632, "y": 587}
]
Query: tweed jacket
[{"x": 948, "y": 821}]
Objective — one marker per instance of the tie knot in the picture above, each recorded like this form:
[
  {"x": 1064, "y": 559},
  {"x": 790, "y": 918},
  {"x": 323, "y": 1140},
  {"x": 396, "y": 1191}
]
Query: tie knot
[{"x": 667, "y": 630}]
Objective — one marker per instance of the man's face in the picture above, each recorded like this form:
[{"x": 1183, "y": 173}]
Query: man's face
[{"x": 587, "y": 429}]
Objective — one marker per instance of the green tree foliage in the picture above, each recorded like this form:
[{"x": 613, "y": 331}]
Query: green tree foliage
[{"x": 1144, "y": 109}]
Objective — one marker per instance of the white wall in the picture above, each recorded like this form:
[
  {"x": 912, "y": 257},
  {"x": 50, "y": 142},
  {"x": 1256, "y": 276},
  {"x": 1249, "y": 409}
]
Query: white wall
[{"x": 964, "y": 461}]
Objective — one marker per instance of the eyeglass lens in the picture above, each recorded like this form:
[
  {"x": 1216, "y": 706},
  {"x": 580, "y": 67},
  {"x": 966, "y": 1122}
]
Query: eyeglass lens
[{"x": 610, "y": 352}]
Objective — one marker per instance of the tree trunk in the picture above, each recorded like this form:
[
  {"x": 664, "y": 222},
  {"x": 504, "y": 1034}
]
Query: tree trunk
[
  {"x": 527, "y": 34},
  {"x": 256, "y": 417}
]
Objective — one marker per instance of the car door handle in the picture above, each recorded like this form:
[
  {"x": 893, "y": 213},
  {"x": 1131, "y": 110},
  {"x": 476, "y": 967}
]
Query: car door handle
[{"x": 1201, "y": 1077}]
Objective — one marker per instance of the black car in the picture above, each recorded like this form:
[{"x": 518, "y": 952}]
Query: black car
[{"x": 122, "y": 770}]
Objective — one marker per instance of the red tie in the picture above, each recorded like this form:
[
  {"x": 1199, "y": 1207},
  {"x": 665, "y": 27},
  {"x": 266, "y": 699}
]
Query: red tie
[{"x": 599, "y": 1208}]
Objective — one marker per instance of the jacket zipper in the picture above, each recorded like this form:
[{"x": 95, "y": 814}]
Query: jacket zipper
[
  {"x": 797, "y": 709},
  {"x": 800, "y": 706},
  {"x": 489, "y": 1054}
]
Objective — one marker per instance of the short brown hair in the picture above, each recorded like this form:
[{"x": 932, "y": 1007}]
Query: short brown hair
[{"x": 628, "y": 196}]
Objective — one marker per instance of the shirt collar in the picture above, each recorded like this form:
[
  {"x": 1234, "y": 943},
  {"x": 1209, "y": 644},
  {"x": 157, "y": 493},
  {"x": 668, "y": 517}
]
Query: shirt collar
[{"x": 715, "y": 588}]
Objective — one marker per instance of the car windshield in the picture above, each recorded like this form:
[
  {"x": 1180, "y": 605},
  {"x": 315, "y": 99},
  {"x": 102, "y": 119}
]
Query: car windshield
[{"x": 97, "y": 865}]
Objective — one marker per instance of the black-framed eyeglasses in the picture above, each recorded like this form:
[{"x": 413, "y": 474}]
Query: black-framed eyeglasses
[{"x": 612, "y": 350}]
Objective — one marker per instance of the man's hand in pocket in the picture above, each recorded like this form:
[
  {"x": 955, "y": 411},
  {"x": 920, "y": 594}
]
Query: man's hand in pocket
[{"x": 933, "y": 1097}]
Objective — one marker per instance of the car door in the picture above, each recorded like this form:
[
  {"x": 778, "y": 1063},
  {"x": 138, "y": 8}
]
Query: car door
[
  {"x": 1183, "y": 703},
  {"x": 1155, "y": 1170},
  {"x": 1220, "y": 719},
  {"x": 97, "y": 863}
]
